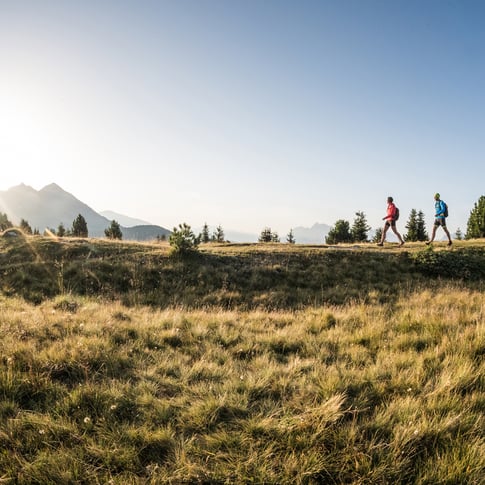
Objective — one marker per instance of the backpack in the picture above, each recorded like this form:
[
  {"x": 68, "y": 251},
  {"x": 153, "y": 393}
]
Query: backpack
[
  {"x": 446, "y": 209},
  {"x": 396, "y": 214}
]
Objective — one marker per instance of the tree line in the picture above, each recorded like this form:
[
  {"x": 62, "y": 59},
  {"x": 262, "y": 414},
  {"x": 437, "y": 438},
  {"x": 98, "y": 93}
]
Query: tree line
[
  {"x": 79, "y": 228},
  {"x": 341, "y": 232}
]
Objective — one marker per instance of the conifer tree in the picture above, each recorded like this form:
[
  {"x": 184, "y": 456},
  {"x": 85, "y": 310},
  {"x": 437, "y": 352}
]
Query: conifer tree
[
  {"x": 4, "y": 222},
  {"x": 183, "y": 240},
  {"x": 458, "y": 234},
  {"x": 80, "y": 227},
  {"x": 114, "y": 231},
  {"x": 290, "y": 238},
  {"x": 340, "y": 233},
  {"x": 360, "y": 228},
  {"x": 25, "y": 226},
  {"x": 378, "y": 235},
  {"x": 416, "y": 227},
  {"x": 204, "y": 237},
  {"x": 266, "y": 235},
  {"x": 476, "y": 222},
  {"x": 61, "y": 230},
  {"x": 274, "y": 237},
  {"x": 219, "y": 234},
  {"x": 421, "y": 227},
  {"x": 412, "y": 227}
]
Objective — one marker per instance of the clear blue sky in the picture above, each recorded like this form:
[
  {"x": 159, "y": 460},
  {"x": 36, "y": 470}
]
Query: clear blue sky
[{"x": 246, "y": 113}]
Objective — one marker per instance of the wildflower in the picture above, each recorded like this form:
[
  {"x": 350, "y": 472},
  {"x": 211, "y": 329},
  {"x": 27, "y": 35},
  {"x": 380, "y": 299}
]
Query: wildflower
[
  {"x": 113, "y": 407},
  {"x": 41, "y": 431},
  {"x": 87, "y": 420}
]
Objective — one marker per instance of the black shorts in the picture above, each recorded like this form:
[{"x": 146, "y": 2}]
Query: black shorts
[
  {"x": 390, "y": 223},
  {"x": 440, "y": 221}
]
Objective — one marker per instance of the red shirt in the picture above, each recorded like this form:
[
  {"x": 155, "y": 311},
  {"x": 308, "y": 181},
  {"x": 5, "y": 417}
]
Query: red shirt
[{"x": 391, "y": 212}]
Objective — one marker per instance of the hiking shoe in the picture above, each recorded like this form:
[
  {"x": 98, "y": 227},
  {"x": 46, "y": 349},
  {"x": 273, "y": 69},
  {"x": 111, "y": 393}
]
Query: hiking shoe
[
  {"x": 449, "y": 243},
  {"x": 380, "y": 244},
  {"x": 428, "y": 243},
  {"x": 401, "y": 244}
]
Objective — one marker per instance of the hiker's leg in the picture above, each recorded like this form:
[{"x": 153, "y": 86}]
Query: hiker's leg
[
  {"x": 447, "y": 233},
  {"x": 393, "y": 227},
  {"x": 384, "y": 230},
  {"x": 433, "y": 234}
]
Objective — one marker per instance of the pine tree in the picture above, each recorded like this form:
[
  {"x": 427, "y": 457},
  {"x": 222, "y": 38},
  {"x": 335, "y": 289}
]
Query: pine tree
[
  {"x": 290, "y": 238},
  {"x": 61, "y": 230},
  {"x": 25, "y": 226},
  {"x": 360, "y": 228},
  {"x": 80, "y": 227},
  {"x": 412, "y": 226},
  {"x": 274, "y": 237},
  {"x": 421, "y": 229},
  {"x": 476, "y": 222},
  {"x": 340, "y": 233},
  {"x": 204, "y": 237},
  {"x": 4, "y": 222},
  {"x": 219, "y": 234},
  {"x": 378, "y": 235},
  {"x": 458, "y": 234},
  {"x": 114, "y": 231},
  {"x": 183, "y": 240},
  {"x": 266, "y": 235}
]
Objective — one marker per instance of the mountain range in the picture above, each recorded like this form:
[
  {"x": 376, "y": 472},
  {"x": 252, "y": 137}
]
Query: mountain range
[{"x": 51, "y": 206}]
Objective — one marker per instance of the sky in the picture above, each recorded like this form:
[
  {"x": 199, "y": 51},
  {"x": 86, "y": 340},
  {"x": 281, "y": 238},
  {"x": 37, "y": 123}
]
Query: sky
[{"x": 246, "y": 113}]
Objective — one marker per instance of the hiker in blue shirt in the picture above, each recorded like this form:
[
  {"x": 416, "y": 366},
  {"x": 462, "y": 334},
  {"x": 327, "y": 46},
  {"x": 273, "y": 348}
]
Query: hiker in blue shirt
[{"x": 441, "y": 213}]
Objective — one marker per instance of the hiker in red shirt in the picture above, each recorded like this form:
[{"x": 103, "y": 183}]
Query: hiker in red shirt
[{"x": 390, "y": 218}]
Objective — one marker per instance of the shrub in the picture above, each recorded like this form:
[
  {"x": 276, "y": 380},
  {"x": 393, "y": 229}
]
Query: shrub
[{"x": 183, "y": 240}]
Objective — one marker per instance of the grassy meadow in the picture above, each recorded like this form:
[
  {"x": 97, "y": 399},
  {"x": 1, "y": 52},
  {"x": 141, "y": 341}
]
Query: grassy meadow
[{"x": 242, "y": 364}]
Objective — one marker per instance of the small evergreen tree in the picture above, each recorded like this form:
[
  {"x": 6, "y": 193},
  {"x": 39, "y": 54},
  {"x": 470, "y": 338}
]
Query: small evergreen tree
[
  {"x": 421, "y": 227},
  {"x": 4, "y": 222},
  {"x": 458, "y": 234},
  {"x": 360, "y": 228},
  {"x": 183, "y": 240},
  {"x": 476, "y": 222},
  {"x": 274, "y": 237},
  {"x": 340, "y": 233},
  {"x": 79, "y": 227},
  {"x": 114, "y": 231},
  {"x": 61, "y": 230},
  {"x": 25, "y": 226},
  {"x": 378, "y": 235},
  {"x": 266, "y": 235},
  {"x": 412, "y": 226},
  {"x": 36, "y": 231},
  {"x": 290, "y": 238},
  {"x": 219, "y": 234},
  {"x": 416, "y": 227},
  {"x": 204, "y": 237}
]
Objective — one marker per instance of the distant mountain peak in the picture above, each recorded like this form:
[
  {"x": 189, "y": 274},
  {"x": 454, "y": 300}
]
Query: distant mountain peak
[
  {"x": 52, "y": 205},
  {"x": 53, "y": 187},
  {"x": 22, "y": 188}
]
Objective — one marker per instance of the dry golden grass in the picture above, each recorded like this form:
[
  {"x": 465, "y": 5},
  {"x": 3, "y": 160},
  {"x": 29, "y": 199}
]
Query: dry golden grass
[{"x": 96, "y": 392}]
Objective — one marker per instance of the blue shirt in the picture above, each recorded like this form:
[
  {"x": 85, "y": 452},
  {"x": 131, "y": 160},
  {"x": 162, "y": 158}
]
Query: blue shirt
[{"x": 439, "y": 207}]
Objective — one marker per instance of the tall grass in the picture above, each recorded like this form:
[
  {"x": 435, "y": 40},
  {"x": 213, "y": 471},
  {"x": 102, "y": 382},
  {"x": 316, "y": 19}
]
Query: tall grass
[{"x": 97, "y": 392}]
